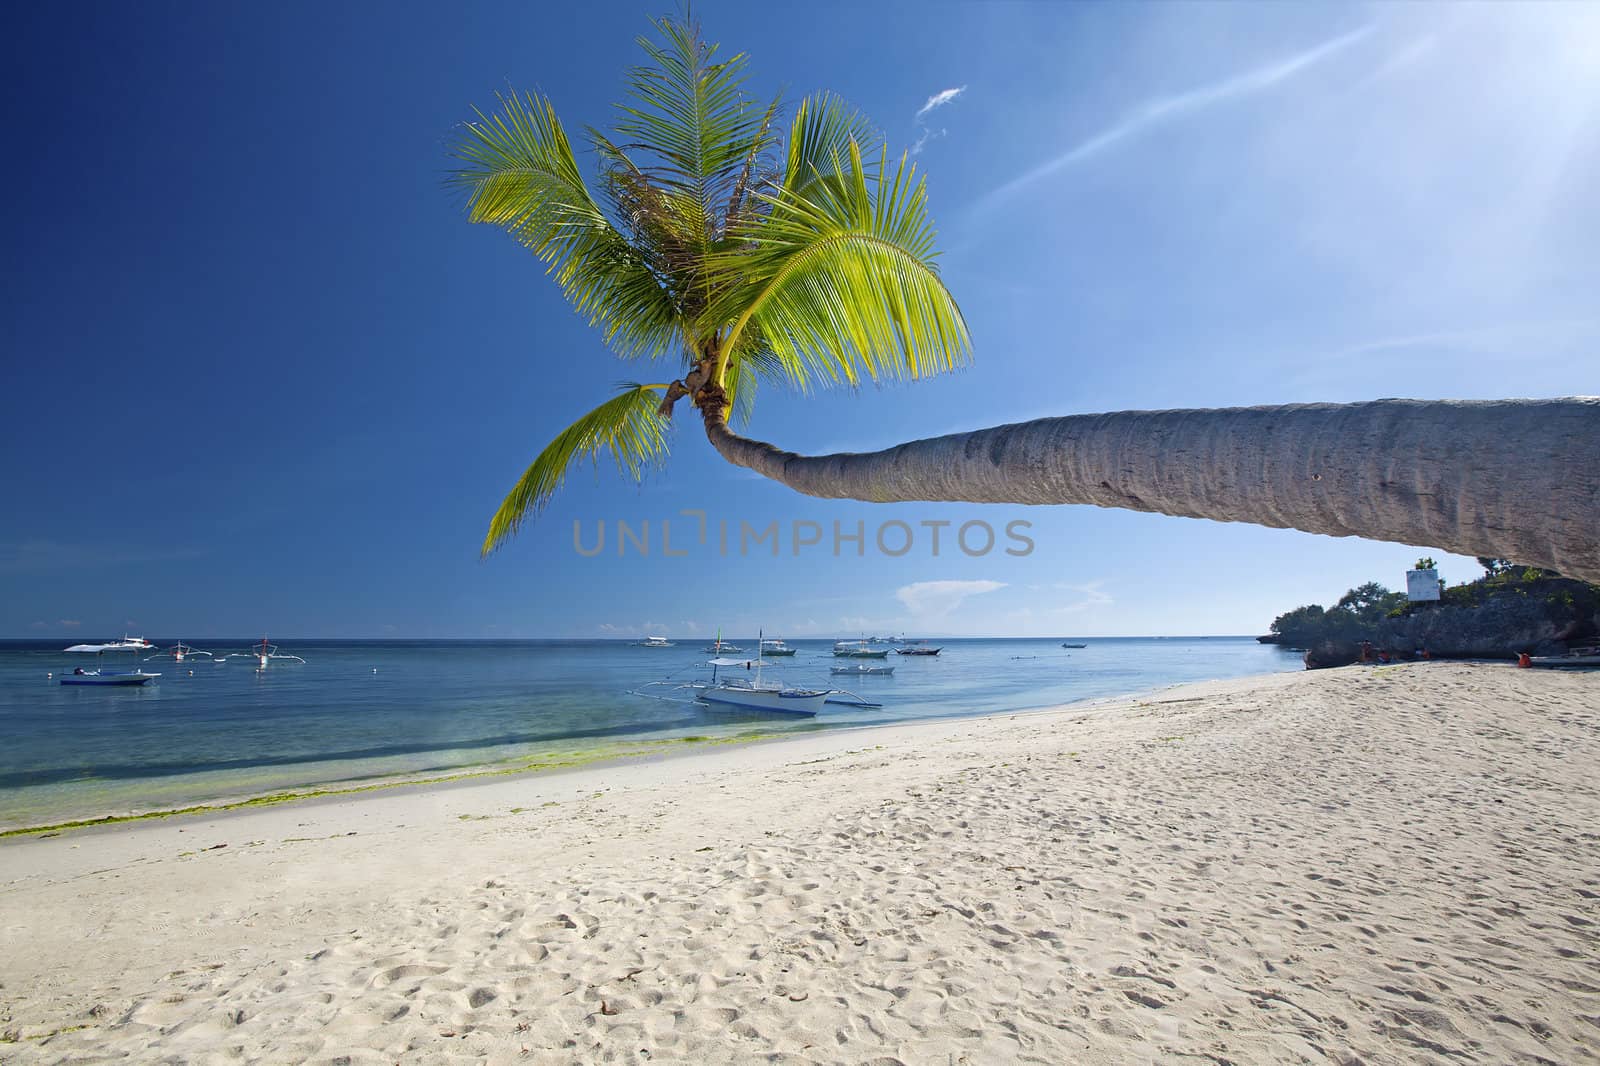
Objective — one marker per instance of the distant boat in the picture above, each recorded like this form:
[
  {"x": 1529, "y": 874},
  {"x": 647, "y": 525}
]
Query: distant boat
[
  {"x": 178, "y": 652},
  {"x": 654, "y": 642},
  {"x": 862, "y": 669},
  {"x": 99, "y": 676},
  {"x": 917, "y": 649},
  {"x": 722, "y": 647},
  {"x": 858, "y": 649},
  {"x": 772, "y": 647},
  {"x": 264, "y": 653},
  {"x": 1074, "y": 645}
]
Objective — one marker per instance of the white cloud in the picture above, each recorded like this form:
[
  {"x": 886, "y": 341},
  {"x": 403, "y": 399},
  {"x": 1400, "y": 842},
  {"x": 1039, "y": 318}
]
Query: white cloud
[
  {"x": 1168, "y": 107},
  {"x": 923, "y": 139},
  {"x": 934, "y": 599},
  {"x": 939, "y": 99},
  {"x": 1089, "y": 596}
]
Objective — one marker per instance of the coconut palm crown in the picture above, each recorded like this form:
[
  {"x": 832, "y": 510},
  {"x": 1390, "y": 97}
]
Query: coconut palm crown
[{"x": 710, "y": 241}]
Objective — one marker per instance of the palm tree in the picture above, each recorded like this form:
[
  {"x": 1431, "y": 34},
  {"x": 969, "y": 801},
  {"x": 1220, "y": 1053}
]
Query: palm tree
[{"x": 744, "y": 257}]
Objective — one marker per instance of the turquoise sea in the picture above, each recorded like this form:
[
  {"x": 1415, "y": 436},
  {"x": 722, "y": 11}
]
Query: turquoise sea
[{"x": 360, "y": 711}]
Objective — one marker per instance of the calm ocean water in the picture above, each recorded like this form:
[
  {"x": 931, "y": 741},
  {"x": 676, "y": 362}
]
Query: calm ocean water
[{"x": 360, "y": 710}]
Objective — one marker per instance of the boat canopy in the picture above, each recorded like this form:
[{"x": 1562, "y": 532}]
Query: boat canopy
[
  {"x": 95, "y": 649},
  {"x": 736, "y": 662}
]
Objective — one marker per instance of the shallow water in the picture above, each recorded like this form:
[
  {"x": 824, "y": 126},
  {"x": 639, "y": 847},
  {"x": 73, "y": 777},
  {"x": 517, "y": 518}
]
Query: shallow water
[{"x": 361, "y": 710}]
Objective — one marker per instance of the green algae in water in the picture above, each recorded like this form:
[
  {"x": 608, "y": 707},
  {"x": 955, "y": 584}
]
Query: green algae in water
[{"x": 526, "y": 765}]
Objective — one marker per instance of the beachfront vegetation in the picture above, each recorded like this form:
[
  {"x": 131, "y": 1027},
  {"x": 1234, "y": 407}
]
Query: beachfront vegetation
[
  {"x": 740, "y": 247},
  {"x": 1508, "y": 610}
]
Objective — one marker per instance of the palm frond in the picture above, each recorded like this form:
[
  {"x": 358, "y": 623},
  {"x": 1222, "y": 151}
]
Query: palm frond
[
  {"x": 743, "y": 377},
  {"x": 518, "y": 172},
  {"x": 823, "y": 129},
  {"x": 841, "y": 281},
  {"x": 751, "y": 175},
  {"x": 626, "y": 425},
  {"x": 692, "y": 115}
]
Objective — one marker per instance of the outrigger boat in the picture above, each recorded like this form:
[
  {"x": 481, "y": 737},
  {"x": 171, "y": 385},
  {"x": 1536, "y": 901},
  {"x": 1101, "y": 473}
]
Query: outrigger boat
[
  {"x": 179, "y": 652},
  {"x": 1074, "y": 645},
  {"x": 754, "y": 694},
  {"x": 917, "y": 649},
  {"x": 99, "y": 676},
  {"x": 773, "y": 647},
  {"x": 654, "y": 642},
  {"x": 862, "y": 670},
  {"x": 264, "y": 653},
  {"x": 1574, "y": 659},
  {"x": 858, "y": 649}
]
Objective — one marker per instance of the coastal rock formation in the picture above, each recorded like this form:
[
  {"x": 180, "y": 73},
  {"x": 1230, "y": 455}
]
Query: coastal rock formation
[
  {"x": 1502, "y": 627},
  {"x": 1332, "y": 653}
]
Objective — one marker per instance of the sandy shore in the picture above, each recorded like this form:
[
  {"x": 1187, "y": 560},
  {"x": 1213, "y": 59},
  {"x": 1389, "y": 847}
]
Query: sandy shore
[{"x": 1363, "y": 865}]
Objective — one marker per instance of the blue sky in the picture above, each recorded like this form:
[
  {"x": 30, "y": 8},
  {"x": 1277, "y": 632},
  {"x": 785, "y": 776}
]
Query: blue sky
[{"x": 261, "y": 376}]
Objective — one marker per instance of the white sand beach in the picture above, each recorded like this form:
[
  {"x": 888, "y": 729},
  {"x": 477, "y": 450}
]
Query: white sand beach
[{"x": 1372, "y": 865}]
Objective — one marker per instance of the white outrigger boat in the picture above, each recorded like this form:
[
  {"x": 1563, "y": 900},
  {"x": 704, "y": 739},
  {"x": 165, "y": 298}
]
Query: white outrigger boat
[
  {"x": 654, "y": 642},
  {"x": 863, "y": 670},
  {"x": 179, "y": 652},
  {"x": 858, "y": 649},
  {"x": 754, "y": 694},
  {"x": 100, "y": 676},
  {"x": 773, "y": 647},
  {"x": 1574, "y": 659},
  {"x": 264, "y": 654}
]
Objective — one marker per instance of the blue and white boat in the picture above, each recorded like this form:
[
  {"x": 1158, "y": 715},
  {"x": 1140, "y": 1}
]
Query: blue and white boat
[{"x": 102, "y": 676}]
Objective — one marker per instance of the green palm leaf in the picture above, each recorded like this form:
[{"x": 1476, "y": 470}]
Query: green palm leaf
[
  {"x": 626, "y": 425},
  {"x": 518, "y": 172},
  {"x": 691, "y": 114},
  {"x": 823, "y": 130},
  {"x": 840, "y": 279}
]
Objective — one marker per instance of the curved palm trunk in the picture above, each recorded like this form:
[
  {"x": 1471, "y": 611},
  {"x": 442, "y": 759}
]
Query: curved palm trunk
[{"x": 1513, "y": 479}]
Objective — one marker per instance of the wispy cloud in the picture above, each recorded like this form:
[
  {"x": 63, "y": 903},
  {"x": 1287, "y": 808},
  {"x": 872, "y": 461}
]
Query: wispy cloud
[
  {"x": 1494, "y": 338},
  {"x": 1165, "y": 108},
  {"x": 934, "y": 599},
  {"x": 938, "y": 100},
  {"x": 934, "y": 102}
]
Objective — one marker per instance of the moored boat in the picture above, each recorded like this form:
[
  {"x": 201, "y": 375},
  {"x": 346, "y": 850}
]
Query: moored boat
[
  {"x": 654, "y": 642},
  {"x": 756, "y": 694},
  {"x": 862, "y": 670},
  {"x": 1574, "y": 659},
  {"x": 101, "y": 676},
  {"x": 772, "y": 647},
  {"x": 858, "y": 649},
  {"x": 179, "y": 652}
]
